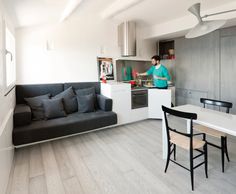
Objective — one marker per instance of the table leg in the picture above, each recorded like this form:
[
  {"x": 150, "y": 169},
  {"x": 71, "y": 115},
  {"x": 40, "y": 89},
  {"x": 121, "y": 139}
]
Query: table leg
[
  {"x": 164, "y": 138},
  {"x": 188, "y": 125}
]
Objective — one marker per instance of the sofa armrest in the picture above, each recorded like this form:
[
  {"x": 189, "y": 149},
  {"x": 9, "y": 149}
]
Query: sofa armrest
[
  {"x": 104, "y": 103},
  {"x": 22, "y": 115}
]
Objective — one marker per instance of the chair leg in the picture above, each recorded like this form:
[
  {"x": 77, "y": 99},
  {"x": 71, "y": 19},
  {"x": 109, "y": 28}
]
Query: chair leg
[
  {"x": 191, "y": 169},
  {"x": 168, "y": 158},
  {"x": 222, "y": 153},
  {"x": 174, "y": 152},
  {"x": 206, "y": 160},
  {"x": 226, "y": 149}
]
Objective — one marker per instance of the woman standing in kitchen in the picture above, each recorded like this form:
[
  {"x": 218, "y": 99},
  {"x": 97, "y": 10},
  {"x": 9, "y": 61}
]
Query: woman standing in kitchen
[{"x": 159, "y": 72}]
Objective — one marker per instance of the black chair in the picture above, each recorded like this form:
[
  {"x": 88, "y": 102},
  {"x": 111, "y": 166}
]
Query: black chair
[
  {"x": 184, "y": 140},
  {"x": 214, "y": 133}
]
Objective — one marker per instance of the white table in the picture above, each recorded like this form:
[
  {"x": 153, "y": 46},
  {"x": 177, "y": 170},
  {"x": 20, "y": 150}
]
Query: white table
[{"x": 219, "y": 121}]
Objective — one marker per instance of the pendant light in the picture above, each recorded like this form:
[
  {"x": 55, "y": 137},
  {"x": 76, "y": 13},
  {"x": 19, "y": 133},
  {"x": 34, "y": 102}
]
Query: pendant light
[{"x": 204, "y": 27}]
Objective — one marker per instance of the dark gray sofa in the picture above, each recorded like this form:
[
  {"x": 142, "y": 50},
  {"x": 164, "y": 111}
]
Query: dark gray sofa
[{"x": 27, "y": 131}]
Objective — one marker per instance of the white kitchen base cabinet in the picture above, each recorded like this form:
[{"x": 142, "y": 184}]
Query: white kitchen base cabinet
[
  {"x": 157, "y": 98},
  {"x": 138, "y": 114},
  {"x": 120, "y": 93}
]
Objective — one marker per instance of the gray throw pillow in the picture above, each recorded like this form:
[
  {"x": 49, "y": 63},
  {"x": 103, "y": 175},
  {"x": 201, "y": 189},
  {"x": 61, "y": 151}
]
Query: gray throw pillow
[
  {"x": 53, "y": 108},
  {"x": 36, "y": 105},
  {"x": 88, "y": 91},
  {"x": 85, "y": 103},
  {"x": 69, "y": 99},
  {"x": 85, "y": 91}
]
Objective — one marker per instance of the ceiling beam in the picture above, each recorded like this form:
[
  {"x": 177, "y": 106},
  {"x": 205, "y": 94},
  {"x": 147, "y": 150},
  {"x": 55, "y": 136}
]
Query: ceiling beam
[
  {"x": 70, "y": 8},
  {"x": 117, "y": 7}
]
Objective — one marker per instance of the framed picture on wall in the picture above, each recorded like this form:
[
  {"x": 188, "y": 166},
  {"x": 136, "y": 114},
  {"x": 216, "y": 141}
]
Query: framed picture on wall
[{"x": 105, "y": 68}]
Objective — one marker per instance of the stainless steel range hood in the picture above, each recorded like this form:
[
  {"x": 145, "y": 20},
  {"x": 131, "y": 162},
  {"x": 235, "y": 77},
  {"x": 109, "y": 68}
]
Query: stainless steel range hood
[{"x": 127, "y": 38}]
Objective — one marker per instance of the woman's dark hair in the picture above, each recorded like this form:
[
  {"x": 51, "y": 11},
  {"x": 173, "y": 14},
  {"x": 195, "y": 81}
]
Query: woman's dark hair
[{"x": 156, "y": 57}]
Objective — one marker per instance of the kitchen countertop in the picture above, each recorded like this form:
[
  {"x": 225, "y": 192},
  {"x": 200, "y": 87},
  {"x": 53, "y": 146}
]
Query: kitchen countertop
[
  {"x": 139, "y": 88},
  {"x": 146, "y": 88},
  {"x": 134, "y": 88}
]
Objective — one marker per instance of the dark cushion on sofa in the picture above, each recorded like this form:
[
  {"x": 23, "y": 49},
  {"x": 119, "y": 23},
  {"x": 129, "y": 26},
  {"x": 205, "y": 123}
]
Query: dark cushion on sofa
[
  {"x": 85, "y": 103},
  {"x": 88, "y": 91},
  {"x": 22, "y": 115},
  {"x": 104, "y": 103},
  {"x": 85, "y": 91},
  {"x": 53, "y": 108},
  {"x": 73, "y": 123},
  {"x": 69, "y": 99},
  {"x": 36, "y": 105},
  {"x": 83, "y": 85},
  {"x": 25, "y": 91}
]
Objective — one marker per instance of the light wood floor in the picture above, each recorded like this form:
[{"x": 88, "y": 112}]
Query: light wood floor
[{"x": 125, "y": 159}]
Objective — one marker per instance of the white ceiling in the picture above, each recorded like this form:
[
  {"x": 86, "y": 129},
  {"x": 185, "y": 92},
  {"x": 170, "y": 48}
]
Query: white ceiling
[
  {"x": 147, "y": 12},
  {"x": 153, "y": 12}
]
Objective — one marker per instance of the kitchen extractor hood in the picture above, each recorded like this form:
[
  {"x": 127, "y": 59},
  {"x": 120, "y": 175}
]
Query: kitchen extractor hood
[{"x": 127, "y": 38}]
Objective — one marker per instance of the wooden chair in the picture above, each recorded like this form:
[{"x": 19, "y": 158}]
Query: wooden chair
[
  {"x": 184, "y": 140},
  {"x": 214, "y": 133}
]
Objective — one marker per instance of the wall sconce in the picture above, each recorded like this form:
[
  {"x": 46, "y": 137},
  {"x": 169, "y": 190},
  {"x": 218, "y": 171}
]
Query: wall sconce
[
  {"x": 49, "y": 45},
  {"x": 9, "y": 53},
  {"x": 102, "y": 50}
]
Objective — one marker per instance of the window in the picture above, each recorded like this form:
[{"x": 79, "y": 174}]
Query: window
[{"x": 10, "y": 67}]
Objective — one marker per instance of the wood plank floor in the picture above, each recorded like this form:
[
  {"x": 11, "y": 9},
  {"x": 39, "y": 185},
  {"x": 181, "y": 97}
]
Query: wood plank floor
[{"x": 125, "y": 159}]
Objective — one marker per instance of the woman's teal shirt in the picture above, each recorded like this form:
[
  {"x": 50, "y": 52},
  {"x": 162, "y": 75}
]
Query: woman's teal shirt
[{"x": 162, "y": 71}]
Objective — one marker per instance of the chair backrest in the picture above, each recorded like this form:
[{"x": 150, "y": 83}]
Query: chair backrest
[
  {"x": 206, "y": 101},
  {"x": 180, "y": 114}
]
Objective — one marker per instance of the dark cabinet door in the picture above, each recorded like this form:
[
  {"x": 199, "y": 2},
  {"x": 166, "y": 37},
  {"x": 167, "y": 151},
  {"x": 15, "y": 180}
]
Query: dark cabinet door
[{"x": 228, "y": 70}]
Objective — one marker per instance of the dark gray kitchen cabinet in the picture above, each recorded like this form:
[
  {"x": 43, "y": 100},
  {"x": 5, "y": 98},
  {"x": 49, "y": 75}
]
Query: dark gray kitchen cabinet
[
  {"x": 197, "y": 68},
  {"x": 228, "y": 66}
]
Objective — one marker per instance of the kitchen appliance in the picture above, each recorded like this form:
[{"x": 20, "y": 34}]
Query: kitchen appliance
[
  {"x": 127, "y": 38},
  {"x": 139, "y": 98}
]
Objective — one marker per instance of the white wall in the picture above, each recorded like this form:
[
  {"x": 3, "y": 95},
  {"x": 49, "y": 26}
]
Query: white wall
[
  {"x": 6, "y": 119},
  {"x": 77, "y": 43}
]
